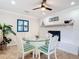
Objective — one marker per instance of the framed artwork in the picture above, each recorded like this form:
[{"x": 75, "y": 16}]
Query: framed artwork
[
  {"x": 53, "y": 19},
  {"x": 22, "y": 25}
]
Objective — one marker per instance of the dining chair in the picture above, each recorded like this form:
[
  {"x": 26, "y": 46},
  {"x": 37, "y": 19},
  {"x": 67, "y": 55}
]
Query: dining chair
[
  {"x": 50, "y": 48},
  {"x": 27, "y": 48},
  {"x": 1, "y": 36}
]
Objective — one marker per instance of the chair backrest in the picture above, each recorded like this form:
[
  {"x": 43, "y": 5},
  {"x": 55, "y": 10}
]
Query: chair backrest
[
  {"x": 1, "y": 36},
  {"x": 52, "y": 43},
  {"x": 20, "y": 44},
  {"x": 49, "y": 35},
  {"x": 24, "y": 42}
]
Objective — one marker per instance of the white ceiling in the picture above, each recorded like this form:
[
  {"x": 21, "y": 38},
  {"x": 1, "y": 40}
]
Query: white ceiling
[{"x": 28, "y": 5}]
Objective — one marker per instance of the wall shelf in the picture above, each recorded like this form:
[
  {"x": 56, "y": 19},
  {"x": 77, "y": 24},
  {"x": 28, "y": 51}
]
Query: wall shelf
[{"x": 57, "y": 23}]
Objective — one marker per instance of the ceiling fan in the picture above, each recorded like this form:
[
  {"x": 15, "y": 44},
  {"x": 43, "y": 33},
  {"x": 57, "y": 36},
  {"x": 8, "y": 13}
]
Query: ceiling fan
[{"x": 43, "y": 6}]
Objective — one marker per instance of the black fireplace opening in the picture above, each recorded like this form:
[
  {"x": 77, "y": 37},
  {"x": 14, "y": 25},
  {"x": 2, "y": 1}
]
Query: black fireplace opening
[{"x": 55, "y": 33}]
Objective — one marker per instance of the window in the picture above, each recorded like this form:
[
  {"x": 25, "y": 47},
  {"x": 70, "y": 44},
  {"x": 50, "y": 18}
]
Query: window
[{"x": 22, "y": 25}]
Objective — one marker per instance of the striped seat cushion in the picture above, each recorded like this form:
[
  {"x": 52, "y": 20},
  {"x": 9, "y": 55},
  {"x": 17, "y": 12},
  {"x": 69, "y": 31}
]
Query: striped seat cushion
[
  {"x": 28, "y": 47},
  {"x": 44, "y": 48}
]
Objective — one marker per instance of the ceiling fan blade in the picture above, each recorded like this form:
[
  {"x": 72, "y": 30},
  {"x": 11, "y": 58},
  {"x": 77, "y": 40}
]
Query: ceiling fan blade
[
  {"x": 48, "y": 8},
  {"x": 36, "y": 8},
  {"x": 44, "y": 1}
]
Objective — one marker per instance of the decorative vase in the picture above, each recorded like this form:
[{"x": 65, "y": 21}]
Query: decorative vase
[{"x": 37, "y": 37}]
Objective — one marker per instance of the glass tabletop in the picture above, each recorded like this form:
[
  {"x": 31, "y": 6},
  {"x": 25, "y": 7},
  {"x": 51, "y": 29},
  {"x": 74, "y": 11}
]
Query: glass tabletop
[{"x": 38, "y": 42}]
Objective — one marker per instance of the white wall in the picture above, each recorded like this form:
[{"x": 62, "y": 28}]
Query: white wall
[
  {"x": 11, "y": 18},
  {"x": 69, "y": 34}
]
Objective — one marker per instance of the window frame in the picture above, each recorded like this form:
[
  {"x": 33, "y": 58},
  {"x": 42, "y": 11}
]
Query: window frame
[{"x": 27, "y": 26}]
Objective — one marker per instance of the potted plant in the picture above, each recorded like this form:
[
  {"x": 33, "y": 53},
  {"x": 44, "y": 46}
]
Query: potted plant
[{"x": 6, "y": 29}]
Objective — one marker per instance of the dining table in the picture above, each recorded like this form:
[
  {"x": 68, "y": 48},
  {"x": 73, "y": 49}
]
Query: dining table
[{"x": 37, "y": 43}]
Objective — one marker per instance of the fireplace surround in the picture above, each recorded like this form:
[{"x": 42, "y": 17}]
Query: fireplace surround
[{"x": 58, "y": 33}]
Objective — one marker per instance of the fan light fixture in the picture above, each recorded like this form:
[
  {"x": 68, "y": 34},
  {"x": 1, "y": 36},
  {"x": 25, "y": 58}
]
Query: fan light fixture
[{"x": 43, "y": 9}]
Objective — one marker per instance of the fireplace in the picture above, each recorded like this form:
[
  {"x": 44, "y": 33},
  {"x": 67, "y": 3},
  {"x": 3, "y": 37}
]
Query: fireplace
[{"x": 55, "y": 33}]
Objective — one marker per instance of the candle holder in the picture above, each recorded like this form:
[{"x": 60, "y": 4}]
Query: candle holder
[{"x": 37, "y": 37}]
